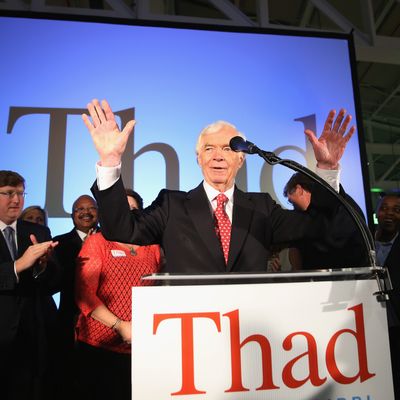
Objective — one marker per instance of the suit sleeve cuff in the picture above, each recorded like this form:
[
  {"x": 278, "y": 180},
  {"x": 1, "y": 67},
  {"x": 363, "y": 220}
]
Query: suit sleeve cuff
[
  {"x": 331, "y": 176},
  {"x": 107, "y": 176},
  {"x": 16, "y": 274}
]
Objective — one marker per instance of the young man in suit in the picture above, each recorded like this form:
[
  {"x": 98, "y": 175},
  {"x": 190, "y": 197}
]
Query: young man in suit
[
  {"x": 28, "y": 315},
  {"x": 196, "y": 231}
]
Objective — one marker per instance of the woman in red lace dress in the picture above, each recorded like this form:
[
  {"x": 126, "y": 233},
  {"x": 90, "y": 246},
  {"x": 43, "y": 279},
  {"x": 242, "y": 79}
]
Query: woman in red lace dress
[{"x": 105, "y": 274}]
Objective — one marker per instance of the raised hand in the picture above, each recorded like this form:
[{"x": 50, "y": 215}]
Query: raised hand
[
  {"x": 330, "y": 146},
  {"x": 109, "y": 141},
  {"x": 35, "y": 252}
]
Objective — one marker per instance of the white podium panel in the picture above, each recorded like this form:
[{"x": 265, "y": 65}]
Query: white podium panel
[{"x": 276, "y": 341}]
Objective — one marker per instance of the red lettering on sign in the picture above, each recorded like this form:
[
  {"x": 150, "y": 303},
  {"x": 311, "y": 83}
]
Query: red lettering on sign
[
  {"x": 236, "y": 358},
  {"x": 312, "y": 354},
  {"x": 188, "y": 384},
  {"x": 359, "y": 335}
]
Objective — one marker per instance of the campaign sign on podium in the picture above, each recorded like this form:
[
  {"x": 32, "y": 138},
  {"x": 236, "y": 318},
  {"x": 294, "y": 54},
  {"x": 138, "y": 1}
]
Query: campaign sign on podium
[{"x": 279, "y": 341}]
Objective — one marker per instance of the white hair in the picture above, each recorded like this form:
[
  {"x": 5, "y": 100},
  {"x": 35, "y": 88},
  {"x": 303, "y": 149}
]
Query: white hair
[{"x": 215, "y": 127}]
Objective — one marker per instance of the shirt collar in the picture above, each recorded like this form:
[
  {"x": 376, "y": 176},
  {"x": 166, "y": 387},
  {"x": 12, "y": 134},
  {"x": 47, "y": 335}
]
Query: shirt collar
[
  {"x": 212, "y": 193},
  {"x": 13, "y": 225},
  {"x": 81, "y": 234},
  {"x": 390, "y": 242}
]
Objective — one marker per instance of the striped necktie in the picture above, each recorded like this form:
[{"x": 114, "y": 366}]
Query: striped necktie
[{"x": 10, "y": 239}]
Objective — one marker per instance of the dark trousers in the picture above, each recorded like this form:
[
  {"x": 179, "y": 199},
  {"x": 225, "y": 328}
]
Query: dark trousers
[
  {"x": 27, "y": 372},
  {"x": 394, "y": 340},
  {"x": 103, "y": 374}
]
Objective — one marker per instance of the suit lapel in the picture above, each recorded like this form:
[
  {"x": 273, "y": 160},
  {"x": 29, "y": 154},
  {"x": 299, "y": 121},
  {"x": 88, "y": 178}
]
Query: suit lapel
[
  {"x": 198, "y": 208},
  {"x": 391, "y": 260},
  {"x": 76, "y": 240},
  {"x": 23, "y": 238},
  {"x": 243, "y": 210},
  {"x": 23, "y": 242},
  {"x": 5, "y": 253}
]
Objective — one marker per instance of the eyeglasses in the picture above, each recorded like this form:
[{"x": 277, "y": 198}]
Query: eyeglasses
[
  {"x": 83, "y": 209},
  {"x": 11, "y": 194}
]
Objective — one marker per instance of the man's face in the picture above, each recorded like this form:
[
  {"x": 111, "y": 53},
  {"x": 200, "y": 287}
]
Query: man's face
[
  {"x": 217, "y": 161},
  {"x": 299, "y": 198},
  {"x": 388, "y": 214},
  {"x": 11, "y": 205},
  {"x": 85, "y": 214}
]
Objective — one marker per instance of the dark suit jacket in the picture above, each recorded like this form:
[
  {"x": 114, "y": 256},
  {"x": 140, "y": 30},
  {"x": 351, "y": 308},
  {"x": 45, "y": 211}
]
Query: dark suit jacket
[
  {"x": 69, "y": 246},
  {"x": 183, "y": 224},
  {"x": 341, "y": 246},
  {"x": 28, "y": 313},
  {"x": 393, "y": 265}
]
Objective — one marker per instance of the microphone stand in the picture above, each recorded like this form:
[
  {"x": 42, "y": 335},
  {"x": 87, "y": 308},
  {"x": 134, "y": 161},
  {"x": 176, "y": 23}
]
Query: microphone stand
[{"x": 381, "y": 274}]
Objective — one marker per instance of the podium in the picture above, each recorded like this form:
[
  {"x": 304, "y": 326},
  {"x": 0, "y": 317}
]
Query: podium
[{"x": 319, "y": 335}]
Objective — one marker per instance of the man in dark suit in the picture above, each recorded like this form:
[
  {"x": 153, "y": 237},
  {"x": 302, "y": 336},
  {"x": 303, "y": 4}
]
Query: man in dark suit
[
  {"x": 342, "y": 245},
  {"x": 187, "y": 224},
  {"x": 28, "y": 278},
  {"x": 387, "y": 240},
  {"x": 84, "y": 217}
]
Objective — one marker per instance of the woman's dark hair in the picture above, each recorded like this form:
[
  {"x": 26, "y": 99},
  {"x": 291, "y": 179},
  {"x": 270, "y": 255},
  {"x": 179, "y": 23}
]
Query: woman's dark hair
[{"x": 136, "y": 196}]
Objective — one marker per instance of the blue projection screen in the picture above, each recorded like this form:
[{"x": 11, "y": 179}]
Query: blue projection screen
[{"x": 173, "y": 81}]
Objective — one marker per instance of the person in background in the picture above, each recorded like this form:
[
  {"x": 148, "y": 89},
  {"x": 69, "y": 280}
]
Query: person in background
[
  {"x": 35, "y": 214},
  {"x": 85, "y": 221},
  {"x": 387, "y": 242},
  {"x": 29, "y": 276},
  {"x": 387, "y": 232},
  {"x": 215, "y": 227},
  {"x": 135, "y": 201},
  {"x": 341, "y": 245},
  {"x": 104, "y": 277}
]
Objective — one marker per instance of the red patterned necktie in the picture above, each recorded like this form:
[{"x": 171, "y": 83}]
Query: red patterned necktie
[{"x": 223, "y": 225}]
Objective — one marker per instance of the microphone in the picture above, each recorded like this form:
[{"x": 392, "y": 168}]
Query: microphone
[{"x": 237, "y": 143}]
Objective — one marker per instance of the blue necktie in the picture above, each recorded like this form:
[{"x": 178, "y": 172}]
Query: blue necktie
[{"x": 10, "y": 239}]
